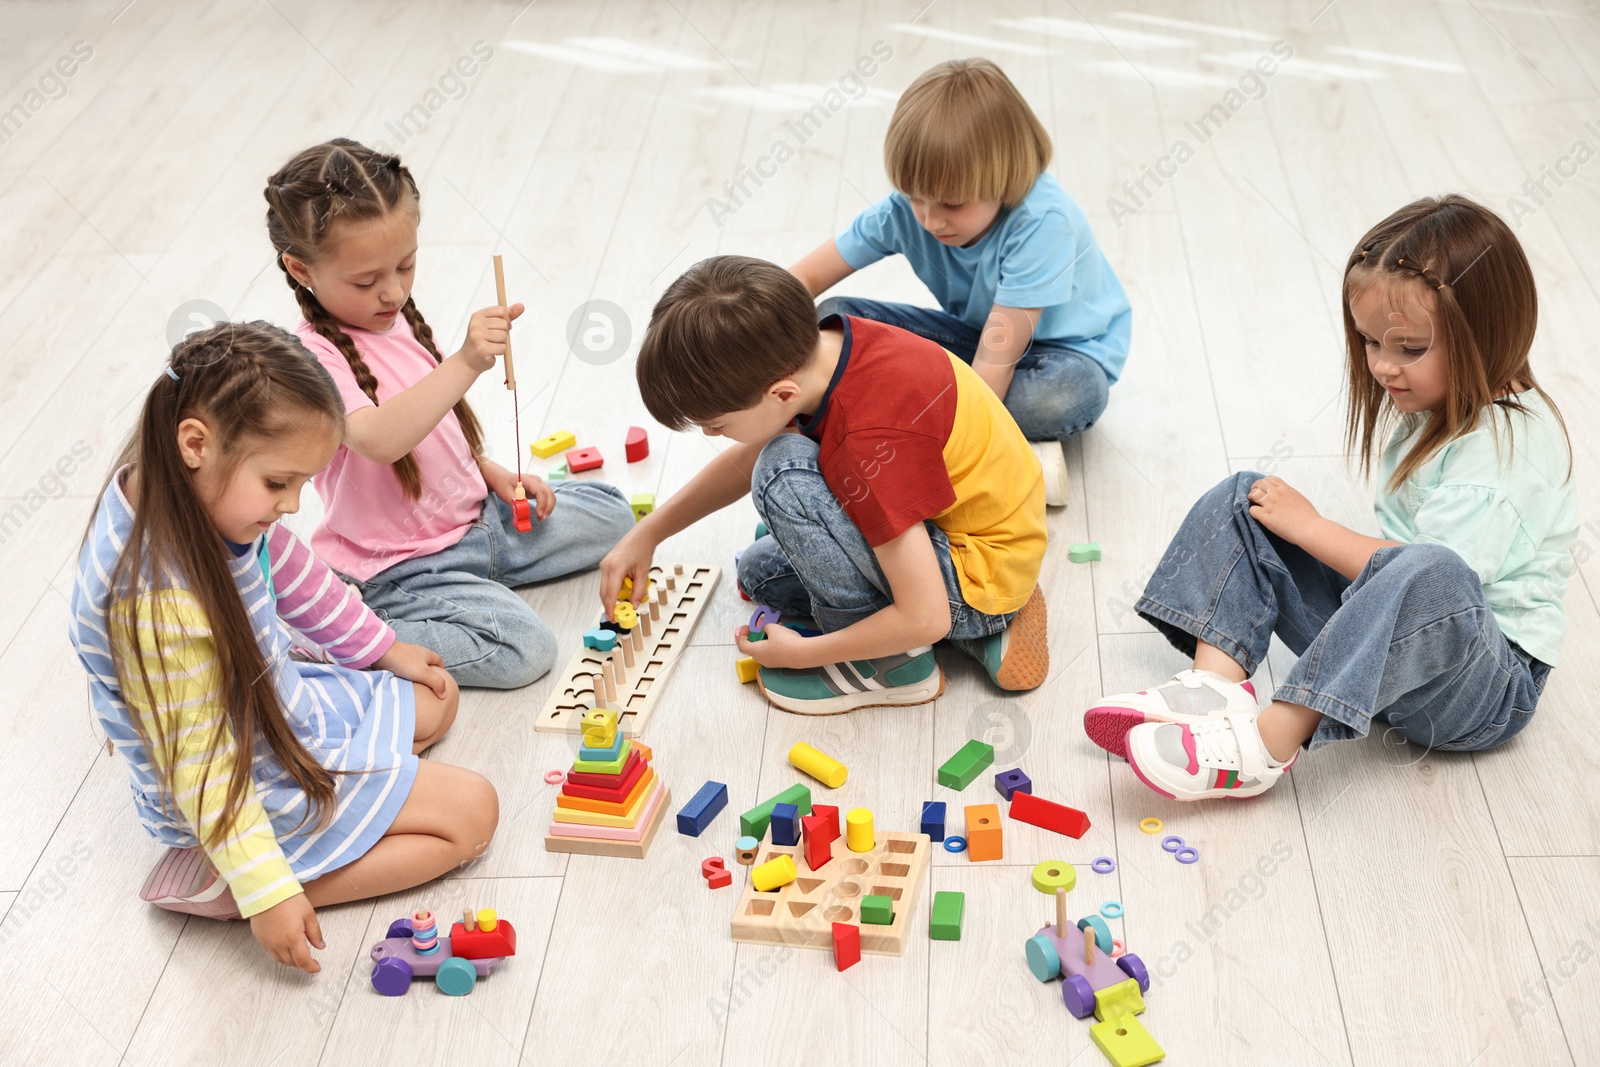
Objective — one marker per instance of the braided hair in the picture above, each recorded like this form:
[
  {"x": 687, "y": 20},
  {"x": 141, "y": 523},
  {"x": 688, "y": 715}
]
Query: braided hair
[
  {"x": 1468, "y": 271},
  {"x": 336, "y": 182}
]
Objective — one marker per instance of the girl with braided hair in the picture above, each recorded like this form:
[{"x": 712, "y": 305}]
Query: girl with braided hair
[
  {"x": 417, "y": 517},
  {"x": 1447, "y": 625},
  {"x": 279, "y": 785}
]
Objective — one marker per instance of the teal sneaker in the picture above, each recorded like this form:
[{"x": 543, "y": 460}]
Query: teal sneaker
[
  {"x": 1017, "y": 657},
  {"x": 912, "y": 677}
]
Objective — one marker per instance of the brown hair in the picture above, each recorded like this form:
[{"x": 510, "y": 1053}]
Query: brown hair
[
  {"x": 722, "y": 333},
  {"x": 963, "y": 132},
  {"x": 248, "y": 382},
  {"x": 341, "y": 181},
  {"x": 1463, "y": 259}
]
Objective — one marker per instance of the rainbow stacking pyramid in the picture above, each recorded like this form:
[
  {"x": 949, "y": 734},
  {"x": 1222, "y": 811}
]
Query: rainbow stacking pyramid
[{"x": 612, "y": 801}]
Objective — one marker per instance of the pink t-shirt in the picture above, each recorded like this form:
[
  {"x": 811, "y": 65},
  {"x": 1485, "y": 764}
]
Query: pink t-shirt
[{"x": 370, "y": 524}]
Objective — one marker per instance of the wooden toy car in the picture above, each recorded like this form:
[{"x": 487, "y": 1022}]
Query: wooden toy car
[
  {"x": 455, "y": 963},
  {"x": 1059, "y": 949}
]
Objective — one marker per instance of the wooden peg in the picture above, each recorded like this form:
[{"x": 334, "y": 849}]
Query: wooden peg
[
  {"x": 1061, "y": 911},
  {"x": 644, "y": 626},
  {"x": 636, "y": 635},
  {"x": 677, "y": 568},
  {"x": 467, "y": 921},
  {"x": 1088, "y": 948},
  {"x": 611, "y": 686},
  {"x": 661, "y": 597},
  {"x": 672, "y": 583},
  {"x": 655, "y": 613},
  {"x": 627, "y": 654},
  {"x": 500, "y": 295}
]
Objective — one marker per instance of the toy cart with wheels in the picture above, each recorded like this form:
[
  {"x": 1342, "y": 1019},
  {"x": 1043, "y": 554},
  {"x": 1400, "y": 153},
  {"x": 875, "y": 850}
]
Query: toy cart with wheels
[
  {"x": 1081, "y": 956},
  {"x": 413, "y": 949}
]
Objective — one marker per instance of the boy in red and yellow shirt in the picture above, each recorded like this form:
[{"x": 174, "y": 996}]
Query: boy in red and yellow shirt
[{"x": 904, "y": 506}]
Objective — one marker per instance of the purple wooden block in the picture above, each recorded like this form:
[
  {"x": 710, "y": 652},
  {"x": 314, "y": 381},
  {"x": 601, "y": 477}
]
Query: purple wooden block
[
  {"x": 400, "y": 950},
  {"x": 1012, "y": 781}
]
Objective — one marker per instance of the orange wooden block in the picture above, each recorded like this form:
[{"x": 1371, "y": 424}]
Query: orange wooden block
[
  {"x": 983, "y": 832},
  {"x": 643, "y": 750},
  {"x": 606, "y": 807}
]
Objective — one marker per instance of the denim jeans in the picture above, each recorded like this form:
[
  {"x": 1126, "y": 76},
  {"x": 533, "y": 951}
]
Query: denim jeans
[
  {"x": 1411, "y": 640},
  {"x": 459, "y": 601},
  {"x": 1055, "y": 393},
  {"x": 814, "y": 560}
]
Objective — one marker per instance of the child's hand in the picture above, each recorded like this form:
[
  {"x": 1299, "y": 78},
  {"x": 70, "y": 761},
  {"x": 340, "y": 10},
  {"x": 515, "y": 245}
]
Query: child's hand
[
  {"x": 779, "y": 648},
  {"x": 284, "y": 931},
  {"x": 629, "y": 559},
  {"x": 415, "y": 664},
  {"x": 1282, "y": 509},
  {"x": 503, "y": 483},
  {"x": 487, "y": 333}
]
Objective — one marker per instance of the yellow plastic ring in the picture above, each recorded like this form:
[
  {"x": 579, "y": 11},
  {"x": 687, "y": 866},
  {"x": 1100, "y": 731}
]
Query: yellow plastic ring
[{"x": 1151, "y": 825}]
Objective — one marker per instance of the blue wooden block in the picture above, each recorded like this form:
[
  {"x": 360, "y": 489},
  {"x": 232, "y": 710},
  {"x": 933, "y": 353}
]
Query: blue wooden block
[
  {"x": 696, "y": 815},
  {"x": 785, "y": 824},
  {"x": 604, "y": 640},
  {"x": 1013, "y": 781},
  {"x": 603, "y": 755},
  {"x": 933, "y": 819}
]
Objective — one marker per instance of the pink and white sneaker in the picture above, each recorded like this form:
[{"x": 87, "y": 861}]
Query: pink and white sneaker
[
  {"x": 1191, "y": 696},
  {"x": 184, "y": 881},
  {"x": 1222, "y": 757}
]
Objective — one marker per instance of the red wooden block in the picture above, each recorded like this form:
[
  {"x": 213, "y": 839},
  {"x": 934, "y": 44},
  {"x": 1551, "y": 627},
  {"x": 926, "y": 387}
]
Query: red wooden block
[
  {"x": 521, "y": 516},
  {"x": 819, "y": 837},
  {"x": 638, "y": 445},
  {"x": 614, "y": 794},
  {"x": 476, "y": 945},
  {"x": 829, "y": 812},
  {"x": 846, "y": 945},
  {"x": 715, "y": 872},
  {"x": 609, "y": 781},
  {"x": 584, "y": 459},
  {"x": 1025, "y": 807}
]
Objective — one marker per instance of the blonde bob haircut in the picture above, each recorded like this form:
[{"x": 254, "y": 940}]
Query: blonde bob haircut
[{"x": 962, "y": 133}]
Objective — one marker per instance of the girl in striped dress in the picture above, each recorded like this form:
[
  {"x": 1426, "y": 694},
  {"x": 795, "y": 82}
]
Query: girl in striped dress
[{"x": 280, "y": 785}]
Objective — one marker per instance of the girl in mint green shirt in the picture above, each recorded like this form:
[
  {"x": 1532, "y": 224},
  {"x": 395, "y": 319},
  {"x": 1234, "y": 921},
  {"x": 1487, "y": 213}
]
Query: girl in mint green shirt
[{"x": 1447, "y": 625}]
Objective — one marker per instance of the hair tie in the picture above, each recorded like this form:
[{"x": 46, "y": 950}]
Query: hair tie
[{"x": 172, "y": 373}]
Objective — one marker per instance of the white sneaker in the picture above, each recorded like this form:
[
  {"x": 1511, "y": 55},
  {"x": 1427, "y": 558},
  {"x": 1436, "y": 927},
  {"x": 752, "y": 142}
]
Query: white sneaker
[
  {"x": 1216, "y": 758},
  {"x": 1192, "y": 696},
  {"x": 1053, "y": 459}
]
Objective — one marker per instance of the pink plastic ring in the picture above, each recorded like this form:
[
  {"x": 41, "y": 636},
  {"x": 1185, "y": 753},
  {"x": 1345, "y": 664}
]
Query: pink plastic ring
[
  {"x": 555, "y": 777},
  {"x": 1117, "y": 948}
]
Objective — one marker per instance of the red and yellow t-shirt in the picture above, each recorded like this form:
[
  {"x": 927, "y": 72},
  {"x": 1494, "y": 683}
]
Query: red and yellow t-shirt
[{"x": 907, "y": 432}]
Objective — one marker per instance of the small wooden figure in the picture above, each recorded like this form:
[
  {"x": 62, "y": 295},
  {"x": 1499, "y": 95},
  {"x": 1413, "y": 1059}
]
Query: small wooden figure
[{"x": 521, "y": 513}]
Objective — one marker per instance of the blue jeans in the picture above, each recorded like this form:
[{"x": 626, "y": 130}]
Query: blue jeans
[
  {"x": 459, "y": 601},
  {"x": 814, "y": 560},
  {"x": 1411, "y": 640},
  {"x": 1055, "y": 393}
]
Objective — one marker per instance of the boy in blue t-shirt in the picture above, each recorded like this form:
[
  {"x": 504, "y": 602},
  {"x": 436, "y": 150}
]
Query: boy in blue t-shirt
[{"x": 1027, "y": 296}]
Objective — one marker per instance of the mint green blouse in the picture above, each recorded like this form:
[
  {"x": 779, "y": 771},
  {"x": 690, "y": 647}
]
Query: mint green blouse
[{"x": 1502, "y": 498}]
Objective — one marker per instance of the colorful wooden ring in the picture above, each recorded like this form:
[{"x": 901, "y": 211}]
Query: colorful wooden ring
[
  {"x": 1111, "y": 909},
  {"x": 1103, "y": 865},
  {"x": 1188, "y": 854},
  {"x": 1102, "y": 932},
  {"x": 1054, "y": 874},
  {"x": 1151, "y": 825},
  {"x": 1171, "y": 843},
  {"x": 955, "y": 844},
  {"x": 1117, "y": 948},
  {"x": 555, "y": 777}
]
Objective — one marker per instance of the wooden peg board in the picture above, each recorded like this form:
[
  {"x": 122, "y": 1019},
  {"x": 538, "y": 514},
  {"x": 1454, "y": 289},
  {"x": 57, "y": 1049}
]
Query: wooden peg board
[
  {"x": 803, "y": 912},
  {"x": 638, "y": 686}
]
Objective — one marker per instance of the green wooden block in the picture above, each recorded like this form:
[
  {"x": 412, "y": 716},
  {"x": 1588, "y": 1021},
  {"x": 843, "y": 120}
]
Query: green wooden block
[
  {"x": 585, "y": 766},
  {"x": 557, "y": 475},
  {"x": 879, "y": 911},
  {"x": 959, "y": 770},
  {"x": 944, "y": 923},
  {"x": 1084, "y": 552},
  {"x": 753, "y": 823}
]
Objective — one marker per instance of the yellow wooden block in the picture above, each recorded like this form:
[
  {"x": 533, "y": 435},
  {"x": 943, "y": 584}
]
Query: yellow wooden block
[
  {"x": 487, "y": 920},
  {"x": 594, "y": 818},
  {"x": 1115, "y": 1001},
  {"x": 773, "y": 874},
  {"x": 748, "y": 669},
  {"x": 627, "y": 588},
  {"x": 600, "y": 728},
  {"x": 625, "y": 614},
  {"x": 1125, "y": 1042},
  {"x": 560, "y": 441}
]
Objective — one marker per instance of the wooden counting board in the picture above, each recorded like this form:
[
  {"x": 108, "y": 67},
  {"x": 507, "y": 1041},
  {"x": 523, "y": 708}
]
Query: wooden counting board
[
  {"x": 637, "y": 685},
  {"x": 803, "y": 912}
]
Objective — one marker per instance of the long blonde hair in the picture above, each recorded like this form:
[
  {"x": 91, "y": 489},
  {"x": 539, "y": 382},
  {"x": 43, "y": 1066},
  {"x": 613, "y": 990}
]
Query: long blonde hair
[{"x": 1485, "y": 310}]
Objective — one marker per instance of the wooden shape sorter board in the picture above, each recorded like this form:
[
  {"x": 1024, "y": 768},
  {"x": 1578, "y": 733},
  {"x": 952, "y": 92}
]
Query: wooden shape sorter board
[
  {"x": 638, "y": 686},
  {"x": 803, "y": 912}
]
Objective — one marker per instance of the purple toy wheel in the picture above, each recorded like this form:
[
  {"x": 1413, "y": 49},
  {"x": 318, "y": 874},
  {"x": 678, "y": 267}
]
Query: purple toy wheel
[
  {"x": 1078, "y": 995},
  {"x": 1133, "y": 967},
  {"x": 399, "y": 928},
  {"x": 391, "y": 976}
]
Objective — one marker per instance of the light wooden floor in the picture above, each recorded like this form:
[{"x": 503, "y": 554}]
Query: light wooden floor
[{"x": 1420, "y": 908}]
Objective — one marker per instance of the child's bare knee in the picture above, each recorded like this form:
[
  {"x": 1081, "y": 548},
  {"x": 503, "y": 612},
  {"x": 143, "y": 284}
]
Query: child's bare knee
[{"x": 480, "y": 811}]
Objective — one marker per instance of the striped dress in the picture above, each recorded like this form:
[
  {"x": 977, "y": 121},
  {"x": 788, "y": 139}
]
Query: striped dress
[{"x": 347, "y": 718}]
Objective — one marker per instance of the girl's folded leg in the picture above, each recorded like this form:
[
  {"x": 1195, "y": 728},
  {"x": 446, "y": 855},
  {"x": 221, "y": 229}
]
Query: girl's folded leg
[{"x": 588, "y": 520}]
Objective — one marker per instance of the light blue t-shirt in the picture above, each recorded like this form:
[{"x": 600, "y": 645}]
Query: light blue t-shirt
[
  {"x": 1506, "y": 507},
  {"x": 1039, "y": 254}
]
